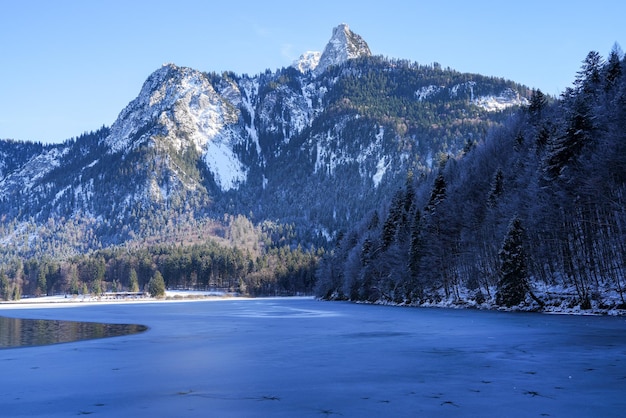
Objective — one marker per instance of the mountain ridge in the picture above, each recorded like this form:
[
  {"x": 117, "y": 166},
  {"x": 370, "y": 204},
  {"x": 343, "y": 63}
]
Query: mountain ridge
[{"x": 300, "y": 148}]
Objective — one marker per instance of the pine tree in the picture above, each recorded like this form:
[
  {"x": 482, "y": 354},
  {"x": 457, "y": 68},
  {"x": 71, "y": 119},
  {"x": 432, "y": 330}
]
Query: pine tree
[
  {"x": 42, "y": 287},
  {"x": 566, "y": 149},
  {"x": 17, "y": 292},
  {"x": 133, "y": 283},
  {"x": 156, "y": 285},
  {"x": 497, "y": 188},
  {"x": 589, "y": 76},
  {"x": 512, "y": 286},
  {"x": 74, "y": 284},
  {"x": 374, "y": 221},
  {"x": 393, "y": 221},
  {"x": 416, "y": 243},
  {"x": 438, "y": 193},
  {"x": 4, "y": 286},
  {"x": 613, "y": 70},
  {"x": 538, "y": 102},
  {"x": 96, "y": 287}
]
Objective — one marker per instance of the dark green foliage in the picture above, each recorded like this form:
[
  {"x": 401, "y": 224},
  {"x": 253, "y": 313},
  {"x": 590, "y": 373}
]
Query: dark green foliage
[
  {"x": 133, "y": 283},
  {"x": 513, "y": 272},
  {"x": 42, "y": 287},
  {"x": 156, "y": 285},
  {"x": 4, "y": 286},
  {"x": 280, "y": 270}
]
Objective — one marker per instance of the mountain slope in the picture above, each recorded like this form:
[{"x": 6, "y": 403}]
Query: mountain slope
[
  {"x": 531, "y": 219},
  {"x": 314, "y": 149}
]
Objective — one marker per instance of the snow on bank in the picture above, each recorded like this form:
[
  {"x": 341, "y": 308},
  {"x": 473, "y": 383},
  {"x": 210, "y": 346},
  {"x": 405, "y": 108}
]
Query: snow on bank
[
  {"x": 556, "y": 299},
  {"x": 78, "y": 300}
]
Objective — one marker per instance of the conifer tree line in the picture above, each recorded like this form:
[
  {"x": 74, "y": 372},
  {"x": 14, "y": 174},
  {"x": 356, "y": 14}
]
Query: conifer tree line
[
  {"x": 277, "y": 270},
  {"x": 534, "y": 215}
]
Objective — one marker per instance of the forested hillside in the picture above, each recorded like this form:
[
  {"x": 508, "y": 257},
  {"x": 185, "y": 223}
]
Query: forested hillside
[
  {"x": 532, "y": 217},
  {"x": 238, "y": 258},
  {"x": 290, "y": 156},
  {"x": 421, "y": 184}
]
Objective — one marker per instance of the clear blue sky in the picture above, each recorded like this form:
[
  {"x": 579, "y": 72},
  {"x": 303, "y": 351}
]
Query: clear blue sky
[{"x": 70, "y": 66}]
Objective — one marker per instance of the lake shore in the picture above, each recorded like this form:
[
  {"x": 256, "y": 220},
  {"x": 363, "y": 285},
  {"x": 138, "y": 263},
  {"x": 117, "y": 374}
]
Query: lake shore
[
  {"x": 565, "y": 307},
  {"x": 79, "y": 300}
]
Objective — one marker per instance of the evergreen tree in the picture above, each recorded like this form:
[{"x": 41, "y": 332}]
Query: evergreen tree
[
  {"x": 133, "y": 283},
  {"x": 613, "y": 70},
  {"x": 393, "y": 221},
  {"x": 96, "y": 287},
  {"x": 566, "y": 149},
  {"x": 589, "y": 76},
  {"x": 74, "y": 284},
  {"x": 374, "y": 221},
  {"x": 512, "y": 286},
  {"x": 538, "y": 102},
  {"x": 17, "y": 292},
  {"x": 42, "y": 287},
  {"x": 415, "y": 255},
  {"x": 438, "y": 193},
  {"x": 4, "y": 286},
  {"x": 156, "y": 286},
  {"x": 497, "y": 188}
]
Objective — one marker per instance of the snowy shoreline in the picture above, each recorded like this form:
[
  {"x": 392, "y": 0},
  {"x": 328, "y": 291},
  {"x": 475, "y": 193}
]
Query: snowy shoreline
[
  {"x": 68, "y": 301},
  {"x": 174, "y": 296},
  {"x": 551, "y": 310}
]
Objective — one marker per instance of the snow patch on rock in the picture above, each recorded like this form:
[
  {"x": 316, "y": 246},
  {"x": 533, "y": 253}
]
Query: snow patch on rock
[
  {"x": 343, "y": 45},
  {"x": 307, "y": 61},
  {"x": 426, "y": 92},
  {"x": 508, "y": 98},
  {"x": 181, "y": 107}
]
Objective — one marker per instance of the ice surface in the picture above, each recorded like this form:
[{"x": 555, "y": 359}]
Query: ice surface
[{"x": 299, "y": 357}]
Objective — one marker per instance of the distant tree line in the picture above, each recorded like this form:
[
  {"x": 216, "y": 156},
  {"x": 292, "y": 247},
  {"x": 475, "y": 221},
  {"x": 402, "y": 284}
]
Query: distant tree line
[{"x": 203, "y": 266}]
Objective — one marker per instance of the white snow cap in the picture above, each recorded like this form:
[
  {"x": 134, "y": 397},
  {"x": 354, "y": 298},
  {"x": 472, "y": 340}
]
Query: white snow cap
[
  {"x": 307, "y": 61},
  {"x": 343, "y": 45}
]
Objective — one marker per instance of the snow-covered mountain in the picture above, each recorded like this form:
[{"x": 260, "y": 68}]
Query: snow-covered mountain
[
  {"x": 314, "y": 145},
  {"x": 179, "y": 109},
  {"x": 307, "y": 61},
  {"x": 343, "y": 46}
]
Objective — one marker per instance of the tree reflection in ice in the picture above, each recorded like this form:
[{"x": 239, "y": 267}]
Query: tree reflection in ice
[{"x": 16, "y": 332}]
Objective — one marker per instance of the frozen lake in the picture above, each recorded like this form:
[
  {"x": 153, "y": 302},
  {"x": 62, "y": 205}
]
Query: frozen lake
[{"x": 304, "y": 358}]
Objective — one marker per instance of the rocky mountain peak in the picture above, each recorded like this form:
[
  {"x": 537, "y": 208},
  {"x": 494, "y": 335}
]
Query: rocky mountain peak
[{"x": 343, "y": 45}]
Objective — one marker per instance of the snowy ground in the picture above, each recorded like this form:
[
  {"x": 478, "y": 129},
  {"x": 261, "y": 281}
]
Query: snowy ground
[
  {"x": 298, "y": 357},
  {"x": 169, "y": 295}
]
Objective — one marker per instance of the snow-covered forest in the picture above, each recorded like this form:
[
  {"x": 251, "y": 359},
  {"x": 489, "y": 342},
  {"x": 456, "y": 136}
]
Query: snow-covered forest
[{"x": 532, "y": 217}]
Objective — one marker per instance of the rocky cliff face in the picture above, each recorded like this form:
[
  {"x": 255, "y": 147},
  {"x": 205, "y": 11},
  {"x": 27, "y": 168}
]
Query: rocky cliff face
[{"x": 343, "y": 46}]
